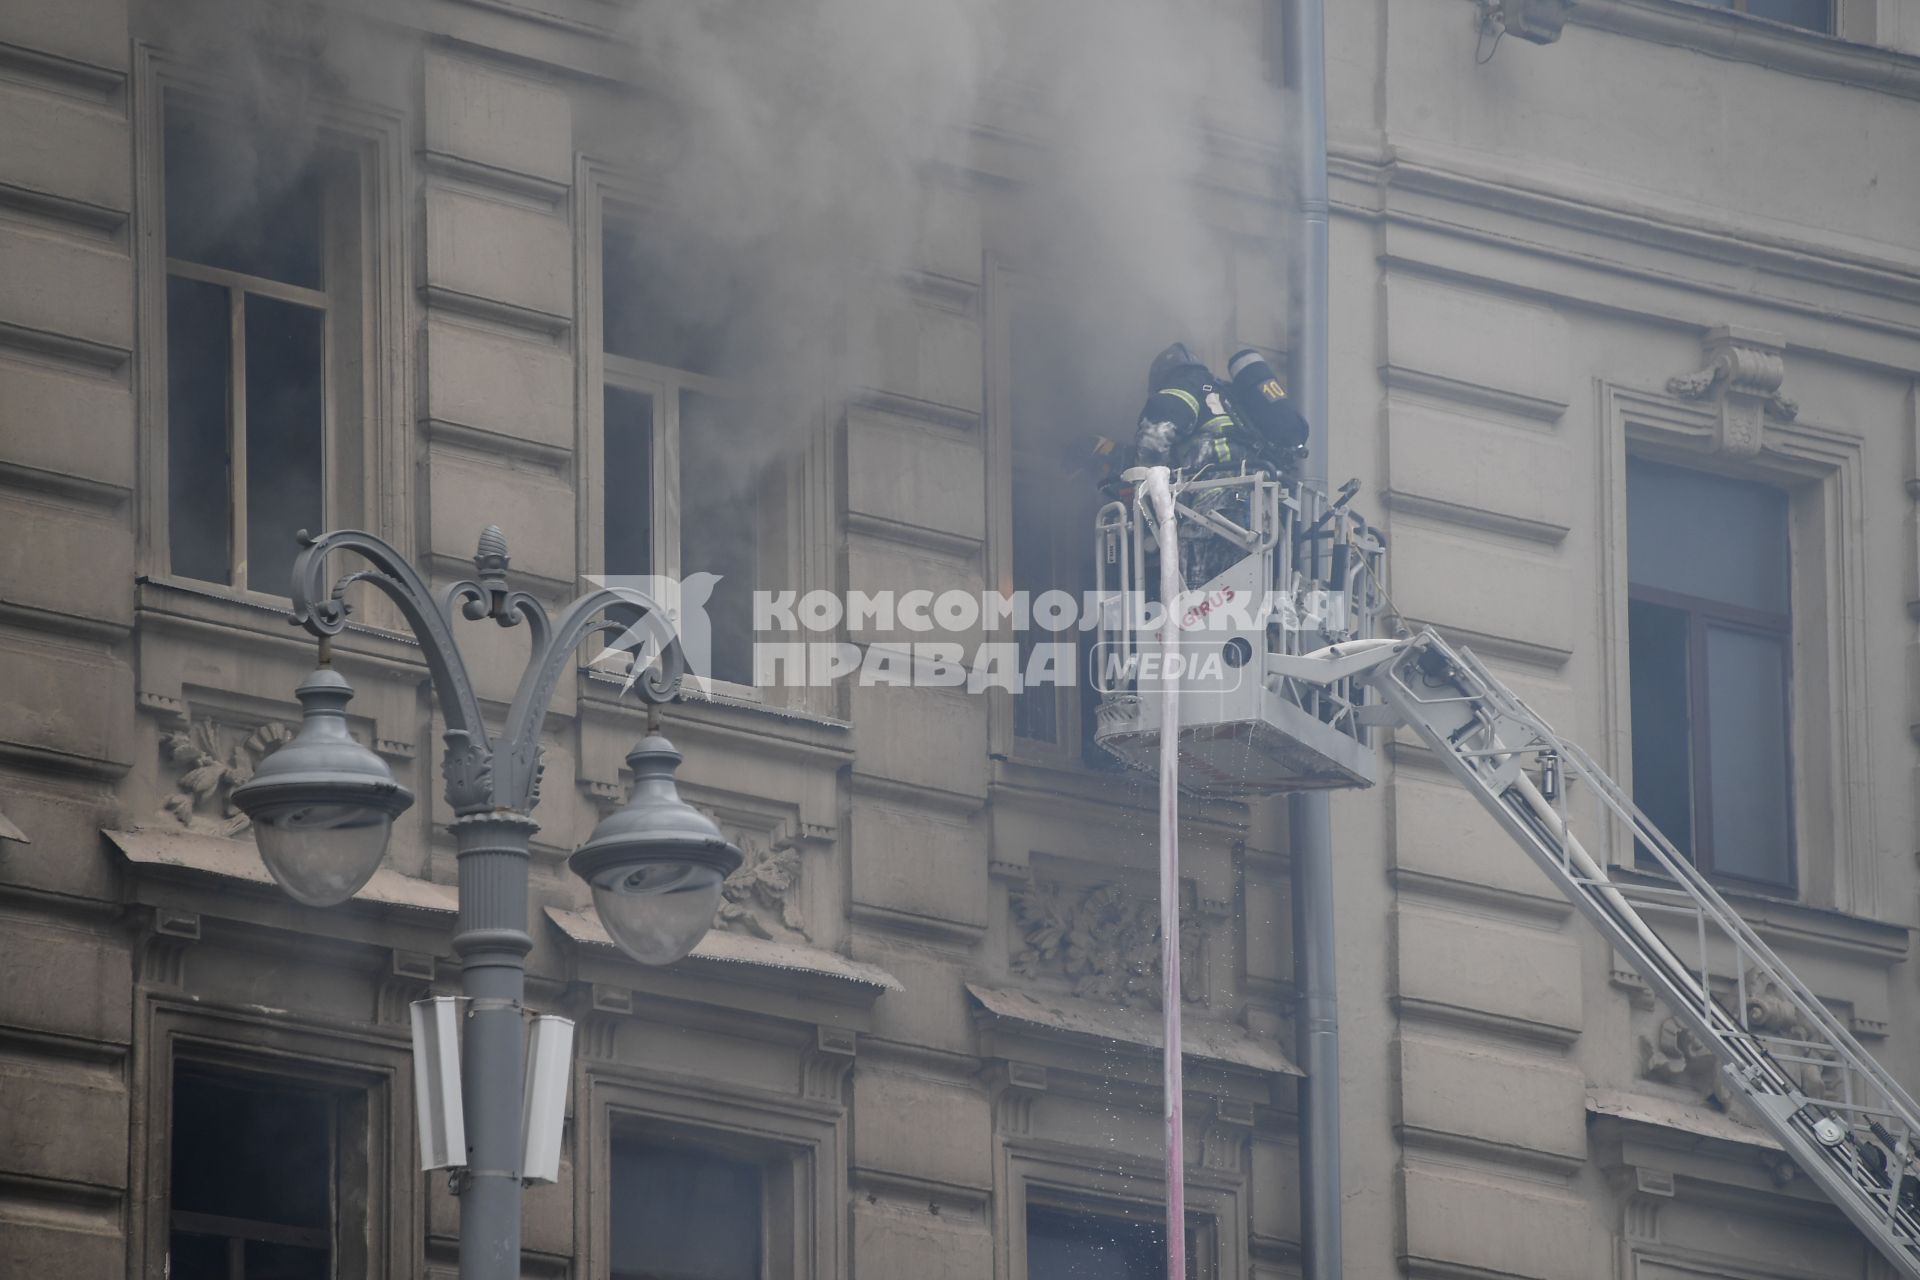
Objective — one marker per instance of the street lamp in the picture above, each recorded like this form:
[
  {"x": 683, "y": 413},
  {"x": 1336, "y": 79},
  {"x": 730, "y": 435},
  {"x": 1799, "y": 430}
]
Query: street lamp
[{"x": 323, "y": 808}]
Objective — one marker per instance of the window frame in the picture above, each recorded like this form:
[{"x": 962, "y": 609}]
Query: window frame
[
  {"x": 239, "y": 1231},
  {"x": 375, "y": 1069},
  {"x": 366, "y": 364},
  {"x": 1036, "y": 1170},
  {"x": 1203, "y": 1230},
  {"x": 796, "y": 544},
  {"x": 1822, "y": 471},
  {"x": 1701, "y": 613},
  {"x": 803, "y": 1142}
]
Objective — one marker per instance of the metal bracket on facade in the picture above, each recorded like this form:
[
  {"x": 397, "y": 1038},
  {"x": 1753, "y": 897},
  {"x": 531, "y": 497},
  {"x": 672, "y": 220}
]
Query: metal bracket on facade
[{"x": 1538, "y": 21}]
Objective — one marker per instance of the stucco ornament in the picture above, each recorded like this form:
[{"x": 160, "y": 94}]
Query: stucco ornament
[
  {"x": 1772, "y": 1017},
  {"x": 1104, "y": 940},
  {"x": 213, "y": 759},
  {"x": 1674, "y": 1055},
  {"x": 1742, "y": 376},
  {"x": 763, "y": 896}
]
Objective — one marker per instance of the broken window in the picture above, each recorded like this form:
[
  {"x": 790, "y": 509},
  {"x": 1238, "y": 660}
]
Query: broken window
[
  {"x": 1709, "y": 646},
  {"x": 260, "y": 1170},
  {"x": 262, "y": 334},
  {"x": 683, "y": 1213}
]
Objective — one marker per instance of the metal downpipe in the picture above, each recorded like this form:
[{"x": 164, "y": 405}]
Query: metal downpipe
[{"x": 1310, "y": 825}]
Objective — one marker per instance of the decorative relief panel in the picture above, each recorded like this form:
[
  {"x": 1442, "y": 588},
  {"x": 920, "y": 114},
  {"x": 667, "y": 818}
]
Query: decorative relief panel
[
  {"x": 208, "y": 759},
  {"x": 1674, "y": 1055},
  {"x": 1741, "y": 379},
  {"x": 1104, "y": 941},
  {"x": 762, "y": 898}
]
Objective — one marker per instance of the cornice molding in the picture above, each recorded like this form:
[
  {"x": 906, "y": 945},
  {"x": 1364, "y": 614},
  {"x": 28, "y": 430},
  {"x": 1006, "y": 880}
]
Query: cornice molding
[
  {"x": 1476, "y": 180},
  {"x": 1719, "y": 33}
]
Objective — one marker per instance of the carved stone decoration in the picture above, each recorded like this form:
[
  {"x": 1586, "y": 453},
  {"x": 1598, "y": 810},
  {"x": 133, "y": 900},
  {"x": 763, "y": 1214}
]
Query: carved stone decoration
[
  {"x": 164, "y": 945},
  {"x": 1676, "y": 1056},
  {"x": 1645, "y": 1192},
  {"x": 826, "y": 1064},
  {"x": 1014, "y": 1087},
  {"x": 409, "y": 977},
  {"x": 1223, "y": 1143},
  {"x": 762, "y": 898},
  {"x": 1771, "y": 1014},
  {"x": 1104, "y": 940},
  {"x": 467, "y": 767},
  {"x": 1742, "y": 376},
  {"x": 212, "y": 759}
]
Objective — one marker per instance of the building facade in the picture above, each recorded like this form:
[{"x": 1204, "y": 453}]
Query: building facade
[{"x": 1625, "y": 332}]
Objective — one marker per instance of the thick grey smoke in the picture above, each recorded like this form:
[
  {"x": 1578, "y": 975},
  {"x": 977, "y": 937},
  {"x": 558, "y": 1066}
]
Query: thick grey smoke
[{"x": 795, "y": 151}]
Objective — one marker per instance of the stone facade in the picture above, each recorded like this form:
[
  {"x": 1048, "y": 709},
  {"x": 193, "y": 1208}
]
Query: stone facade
[{"x": 1679, "y": 233}]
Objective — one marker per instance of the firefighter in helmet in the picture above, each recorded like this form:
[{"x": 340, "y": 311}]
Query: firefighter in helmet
[{"x": 1192, "y": 421}]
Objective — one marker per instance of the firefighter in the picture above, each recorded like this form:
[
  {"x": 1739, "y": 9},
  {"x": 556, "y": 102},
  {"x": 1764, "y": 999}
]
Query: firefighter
[
  {"x": 1191, "y": 421},
  {"x": 1186, "y": 421}
]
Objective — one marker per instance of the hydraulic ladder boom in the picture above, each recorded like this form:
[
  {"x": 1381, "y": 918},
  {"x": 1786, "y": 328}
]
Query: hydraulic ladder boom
[{"x": 1847, "y": 1123}]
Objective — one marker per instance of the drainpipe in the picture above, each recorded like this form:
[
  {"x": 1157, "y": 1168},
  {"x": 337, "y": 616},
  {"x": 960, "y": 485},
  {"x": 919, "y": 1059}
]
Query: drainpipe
[{"x": 1310, "y": 825}]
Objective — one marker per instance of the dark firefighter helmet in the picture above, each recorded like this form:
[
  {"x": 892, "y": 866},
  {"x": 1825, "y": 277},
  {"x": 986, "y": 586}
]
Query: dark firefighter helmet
[{"x": 1167, "y": 366}]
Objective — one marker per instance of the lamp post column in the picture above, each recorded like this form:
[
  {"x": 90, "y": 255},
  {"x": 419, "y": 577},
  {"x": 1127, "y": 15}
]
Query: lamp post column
[{"x": 492, "y": 943}]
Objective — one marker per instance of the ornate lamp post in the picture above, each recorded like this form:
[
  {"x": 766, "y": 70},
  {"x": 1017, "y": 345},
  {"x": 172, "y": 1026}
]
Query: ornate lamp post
[{"x": 323, "y": 808}]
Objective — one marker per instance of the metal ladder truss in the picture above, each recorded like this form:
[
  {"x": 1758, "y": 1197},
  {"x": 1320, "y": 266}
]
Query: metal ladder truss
[{"x": 1847, "y": 1123}]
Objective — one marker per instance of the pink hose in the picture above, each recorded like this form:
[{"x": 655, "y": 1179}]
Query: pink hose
[{"x": 1161, "y": 496}]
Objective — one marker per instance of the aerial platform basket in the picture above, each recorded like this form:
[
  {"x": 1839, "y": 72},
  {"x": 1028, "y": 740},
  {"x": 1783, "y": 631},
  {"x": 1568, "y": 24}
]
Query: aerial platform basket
[{"x": 1272, "y": 568}]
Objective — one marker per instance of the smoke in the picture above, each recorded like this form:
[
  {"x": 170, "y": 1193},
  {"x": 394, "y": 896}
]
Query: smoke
[{"x": 797, "y": 155}]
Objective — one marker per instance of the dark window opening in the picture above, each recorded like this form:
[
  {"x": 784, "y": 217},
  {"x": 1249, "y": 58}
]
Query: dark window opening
[
  {"x": 253, "y": 1176},
  {"x": 1709, "y": 644},
  {"x": 1053, "y": 421},
  {"x": 627, "y": 483},
  {"x": 199, "y": 462},
  {"x": 650, "y": 309},
  {"x": 249, "y": 348},
  {"x": 286, "y": 430},
  {"x": 1064, "y": 1244},
  {"x": 680, "y": 1213},
  {"x": 245, "y": 205},
  {"x": 720, "y": 526}
]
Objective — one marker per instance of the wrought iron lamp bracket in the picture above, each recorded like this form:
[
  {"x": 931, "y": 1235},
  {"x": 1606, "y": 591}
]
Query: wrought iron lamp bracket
[{"x": 482, "y": 775}]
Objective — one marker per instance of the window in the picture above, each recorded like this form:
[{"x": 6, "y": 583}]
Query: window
[
  {"x": 263, "y": 346},
  {"x": 1709, "y": 647},
  {"x": 1068, "y": 1244},
  {"x": 1814, "y": 15},
  {"x": 687, "y": 486},
  {"x": 266, "y": 1179},
  {"x": 684, "y": 1213},
  {"x": 1052, "y": 512}
]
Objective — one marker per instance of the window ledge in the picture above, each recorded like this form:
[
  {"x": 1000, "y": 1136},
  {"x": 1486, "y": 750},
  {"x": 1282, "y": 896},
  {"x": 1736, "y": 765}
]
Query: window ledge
[
  {"x": 734, "y": 957},
  {"x": 1780, "y": 922},
  {"x": 1077, "y": 1022},
  {"x": 217, "y": 858},
  {"x": 1742, "y": 38},
  {"x": 1693, "y": 1120},
  {"x": 167, "y": 600}
]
